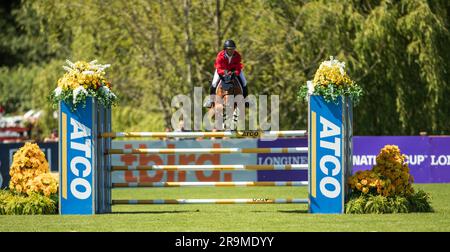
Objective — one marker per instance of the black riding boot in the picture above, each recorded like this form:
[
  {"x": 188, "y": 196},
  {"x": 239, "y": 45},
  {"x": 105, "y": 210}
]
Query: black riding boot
[
  {"x": 245, "y": 91},
  {"x": 212, "y": 90}
]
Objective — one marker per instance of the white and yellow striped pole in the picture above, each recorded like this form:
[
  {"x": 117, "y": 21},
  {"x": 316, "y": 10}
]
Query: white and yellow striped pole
[
  {"x": 233, "y": 134},
  {"x": 209, "y": 150},
  {"x": 210, "y": 201}
]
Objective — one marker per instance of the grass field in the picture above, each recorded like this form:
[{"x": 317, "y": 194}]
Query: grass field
[{"x": 229, "y": 218}]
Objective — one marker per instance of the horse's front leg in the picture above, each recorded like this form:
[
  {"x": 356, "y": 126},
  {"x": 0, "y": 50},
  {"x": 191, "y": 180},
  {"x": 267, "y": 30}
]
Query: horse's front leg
[
  {"x": 219, "y": 116},
  {"x": 228, "y": 112},
  {"x": 234, "y": 124}
]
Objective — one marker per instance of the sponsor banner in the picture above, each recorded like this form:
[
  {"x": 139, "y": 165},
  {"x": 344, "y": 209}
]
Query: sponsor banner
[
  {"x": 282, "y": 158},
  {"x": 428, "y": 156},
  {"x": 50, "y": 150},
  {"x": 76, "y": 159},
  {"x": 183, "y": 159},
  {"x": 326, "y": 176}
]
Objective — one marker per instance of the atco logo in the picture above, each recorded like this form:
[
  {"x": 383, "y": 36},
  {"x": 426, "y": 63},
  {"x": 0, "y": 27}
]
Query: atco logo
[
  {"x": 249, "y": 133},
  {"x": 330, "y": 164},
  {"x": 80, "y": 165}
]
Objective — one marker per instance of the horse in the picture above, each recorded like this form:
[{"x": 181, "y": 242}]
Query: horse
[{"x": 227, "y": 89}]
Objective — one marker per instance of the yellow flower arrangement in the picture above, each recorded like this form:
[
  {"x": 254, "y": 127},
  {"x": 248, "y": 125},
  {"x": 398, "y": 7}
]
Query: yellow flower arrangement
[
  {"x": 367, "y": 182},
  {"x": 389, "y": 177},
  {"x": 391, "y": 164},
  {"x": 84, "y": 79},
  {"x": 87, "y": 75},
  {"x": 332, "y": 72},
  {"x": 331, "y": 81},
  {"x": 30, "y": 172},
  {"x": 44, "y": 183},
  {"x": 387, "y": 187}
]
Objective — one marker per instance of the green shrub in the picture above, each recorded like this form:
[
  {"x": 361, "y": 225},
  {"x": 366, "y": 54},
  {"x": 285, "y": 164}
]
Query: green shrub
[
  {"x": 3, "y": 200},
  {"x": 398, "y": 204},
  {"x": 420, "y": 202},
  {"x": 20, "y": 204},
  {"x": 378, "y": 204},
  {"x": 356, "y": 205}
]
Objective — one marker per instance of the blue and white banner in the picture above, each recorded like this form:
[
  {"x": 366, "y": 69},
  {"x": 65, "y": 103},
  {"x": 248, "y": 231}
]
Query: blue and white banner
[
  {"x": 326, "y": 176},
  {"x": 76, "y": 159}
]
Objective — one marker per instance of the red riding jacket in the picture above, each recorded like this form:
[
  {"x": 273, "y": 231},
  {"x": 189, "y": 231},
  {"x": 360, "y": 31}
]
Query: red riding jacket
[{"x": 222, "y": 63}]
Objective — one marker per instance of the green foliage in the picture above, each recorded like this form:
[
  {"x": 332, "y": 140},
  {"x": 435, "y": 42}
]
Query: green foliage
[
  {"x": 399, "y": 204},
  {"x": 19, "y": 204},
  {"x": 13, "y": 86},
  {"x": 136, "y": 119},
  {"x": 25, "y": 87},
  {"x": 331, "y": 94},
  {"x": 356, "y": 205},
  {"x": 395, "y": 50},
  {"x": 420, "y": 202},
  {"x": 378, "y": 204},
  {"x": 80, "y": 100}
]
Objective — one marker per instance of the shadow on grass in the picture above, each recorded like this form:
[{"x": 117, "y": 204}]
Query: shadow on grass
[
  {"x": 154, "y": 212},
  {"x": 281, "y": 211},
  {"x": 294, "y": 211}
]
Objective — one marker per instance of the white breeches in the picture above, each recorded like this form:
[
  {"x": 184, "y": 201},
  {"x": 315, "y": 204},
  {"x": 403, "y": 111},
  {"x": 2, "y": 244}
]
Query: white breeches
[{"x": 216, "y": 79}]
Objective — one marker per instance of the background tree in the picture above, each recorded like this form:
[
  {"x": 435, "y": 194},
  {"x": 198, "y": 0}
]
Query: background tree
[{"x": 396, "y": 50}]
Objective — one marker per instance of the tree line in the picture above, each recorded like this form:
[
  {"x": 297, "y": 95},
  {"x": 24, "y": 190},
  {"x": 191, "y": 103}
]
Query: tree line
[{"x": 398, "y": 51}]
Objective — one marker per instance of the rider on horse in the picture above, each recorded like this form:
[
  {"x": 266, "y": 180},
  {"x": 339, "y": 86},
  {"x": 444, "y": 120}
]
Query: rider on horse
[{"x": 227, "y": 61}]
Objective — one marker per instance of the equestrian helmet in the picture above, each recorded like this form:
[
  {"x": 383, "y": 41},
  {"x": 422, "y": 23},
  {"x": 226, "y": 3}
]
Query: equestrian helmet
[{"x": 229, "y": 44}]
